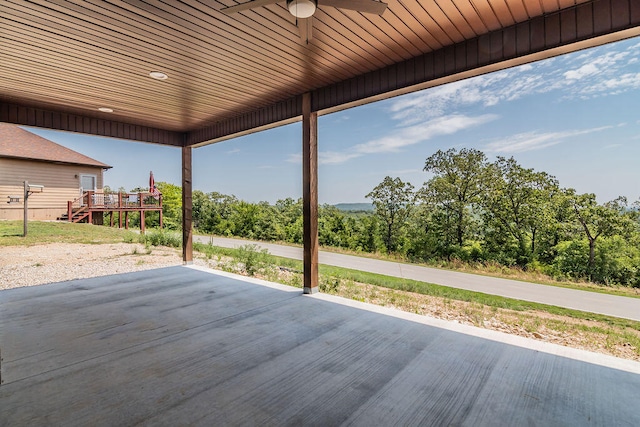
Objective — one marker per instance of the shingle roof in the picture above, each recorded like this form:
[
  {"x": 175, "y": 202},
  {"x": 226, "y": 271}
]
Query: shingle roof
[{"x": 19, "y": 143}]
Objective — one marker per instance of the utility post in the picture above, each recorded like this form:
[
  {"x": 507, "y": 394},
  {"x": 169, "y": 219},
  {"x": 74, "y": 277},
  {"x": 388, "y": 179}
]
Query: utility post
[
  {"x": 28, "y": 190},
  {"x": 26, "y": 208}
]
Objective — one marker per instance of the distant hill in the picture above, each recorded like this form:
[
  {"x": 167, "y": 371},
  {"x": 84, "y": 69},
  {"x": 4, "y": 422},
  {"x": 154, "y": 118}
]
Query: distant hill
[{"x": 366, "y": 207}]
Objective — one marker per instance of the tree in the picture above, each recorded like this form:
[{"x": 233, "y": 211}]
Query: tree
[
  {"x": 290, "y": 218},
  {"x": 393, "y": 200},
  {"x": 171, "y": 205},
  {"x": 598, "y": 220},
  {"x": 518, "y": 202},
  {"x": 455, "y": 186}
]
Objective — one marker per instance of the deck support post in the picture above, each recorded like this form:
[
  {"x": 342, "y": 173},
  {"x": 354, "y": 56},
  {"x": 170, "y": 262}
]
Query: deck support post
[
  {"x": 310, "y": 194},
  {"x": 90, "y": 206},
  {"x": 142, "y": 222},
  {"x": 120, "y": 211},
  {"x": 187, "y": 207},
  {"x": 160, "y": 211}
]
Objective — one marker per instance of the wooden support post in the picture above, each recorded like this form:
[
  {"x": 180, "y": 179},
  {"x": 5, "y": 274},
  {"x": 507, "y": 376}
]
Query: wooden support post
[
  {"x": 111, "y": 219},
  {"x": 187, "y": 207},
  {"x": 142, "y": 224},
  {"x": 310, "y": 194},
  {"x": 126, "y": 220},
  {"x": 120, "y": 218}
]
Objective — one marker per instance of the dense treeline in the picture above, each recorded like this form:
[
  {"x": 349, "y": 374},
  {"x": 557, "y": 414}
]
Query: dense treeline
[{"x": 470, "y": 209}]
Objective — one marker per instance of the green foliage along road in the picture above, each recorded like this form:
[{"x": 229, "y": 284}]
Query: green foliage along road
[{"x": 469, "y": 209}]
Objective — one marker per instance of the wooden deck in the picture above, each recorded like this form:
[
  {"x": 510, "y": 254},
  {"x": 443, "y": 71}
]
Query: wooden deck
[
  {"x": 90, "y": 203},
  {"x": 181, "y": 346}
]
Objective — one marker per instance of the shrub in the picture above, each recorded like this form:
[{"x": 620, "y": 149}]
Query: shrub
[
  {"x": 572, "y": 259},
  {"x": 161, "y": 238},
  {"x": 329, "y": 284},
  {"x": 616, "y": 261},
  {"x": 252, "y": 258},
  {"x": 471, "y": 251}
]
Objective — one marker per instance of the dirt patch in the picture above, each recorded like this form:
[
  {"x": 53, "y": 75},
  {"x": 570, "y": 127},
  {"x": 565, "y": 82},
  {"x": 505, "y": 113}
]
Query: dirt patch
[{"x": 36, "y": 265}]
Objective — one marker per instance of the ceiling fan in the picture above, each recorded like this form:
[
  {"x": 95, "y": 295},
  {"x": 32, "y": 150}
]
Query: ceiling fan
[{"x": 303, "y": 10}]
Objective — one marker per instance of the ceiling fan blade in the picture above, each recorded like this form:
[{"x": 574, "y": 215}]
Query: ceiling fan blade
[
  {"x": 364, "y": 6},
  {"x": 247, "y": 5},
  {"x": 305, "y": 28}
]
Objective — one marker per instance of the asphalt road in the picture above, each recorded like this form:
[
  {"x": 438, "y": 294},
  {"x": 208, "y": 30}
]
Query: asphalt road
[{"x": 628, "y": 308}]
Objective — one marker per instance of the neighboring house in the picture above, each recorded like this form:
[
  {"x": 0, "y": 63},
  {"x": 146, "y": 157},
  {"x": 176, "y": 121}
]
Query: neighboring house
[{"x": 64, "y": 173}]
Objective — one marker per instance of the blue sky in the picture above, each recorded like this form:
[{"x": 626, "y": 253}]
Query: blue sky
[{"x": 576, "y": 117}]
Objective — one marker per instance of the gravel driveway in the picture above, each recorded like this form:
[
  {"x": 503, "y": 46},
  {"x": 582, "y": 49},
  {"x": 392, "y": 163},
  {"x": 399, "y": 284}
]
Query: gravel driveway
[{"x": 57, "y": 262}]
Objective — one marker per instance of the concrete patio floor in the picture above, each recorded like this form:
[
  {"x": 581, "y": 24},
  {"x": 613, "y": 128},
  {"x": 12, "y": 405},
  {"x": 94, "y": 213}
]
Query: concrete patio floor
[{"x": 185, "y": 346}]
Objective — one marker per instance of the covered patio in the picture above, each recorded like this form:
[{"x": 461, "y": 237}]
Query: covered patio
[
  {"x": 188, "y": 346},
  {"x": 180, "y": 346},
  {"x": 191, "y": 73}
]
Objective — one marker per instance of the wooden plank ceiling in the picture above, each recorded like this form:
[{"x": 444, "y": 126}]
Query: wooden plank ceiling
[{"x": 73, "y": 57}]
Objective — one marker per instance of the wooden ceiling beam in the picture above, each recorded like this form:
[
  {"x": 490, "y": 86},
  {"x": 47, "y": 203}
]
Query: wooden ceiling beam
[
  {"x": 60, "y": 120},
  {"x": 585, "y": 25}
]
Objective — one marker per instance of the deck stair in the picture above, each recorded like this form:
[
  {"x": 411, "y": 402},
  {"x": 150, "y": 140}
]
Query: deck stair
[{"x": 80, "y": 214}]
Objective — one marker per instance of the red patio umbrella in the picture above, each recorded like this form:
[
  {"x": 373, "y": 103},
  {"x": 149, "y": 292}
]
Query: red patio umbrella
[{"x": 152, "y": 186}]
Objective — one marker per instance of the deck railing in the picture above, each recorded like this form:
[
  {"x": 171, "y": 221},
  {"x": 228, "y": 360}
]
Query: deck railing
[
  {"x": 98, "y": 201},
  {"x": 122, "y": 200}
]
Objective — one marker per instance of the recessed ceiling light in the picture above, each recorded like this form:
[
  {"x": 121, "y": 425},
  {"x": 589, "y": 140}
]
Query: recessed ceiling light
[
  {"x": 158, "y": 75},
  {"x": 105, "y": 110}
]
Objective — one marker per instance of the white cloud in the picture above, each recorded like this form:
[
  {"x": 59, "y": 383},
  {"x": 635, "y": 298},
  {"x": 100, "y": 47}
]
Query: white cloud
[
  {"x": 294, "y": 158},
  {"x": 530, "y": 141},
  {"x": 435, "y": 102},
  {"x": 606, "y": 70},
  {"x": 438, "y": 111},
  {"x": 584, "y": 71},
  {"x": 335, "y": 157},
  {"x": 400, "y": 138},
  {"x": 326, "y": 157},
  {"x": 234, "y": 151},
  {"x": 411, "y": 135},
  {"x": 596, "y": 66},
  {"x": 623, "y": 82}
]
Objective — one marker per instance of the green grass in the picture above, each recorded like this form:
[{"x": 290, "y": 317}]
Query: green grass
[
  {"x": 503, "y": 272},
  {"x": 56, "y": 232},
  {"x": 209, "y": 251},
  {"x": 485, "y": 270},
  {"x": 468, "y": 296},
  {"x": 330, "y": 273}
]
